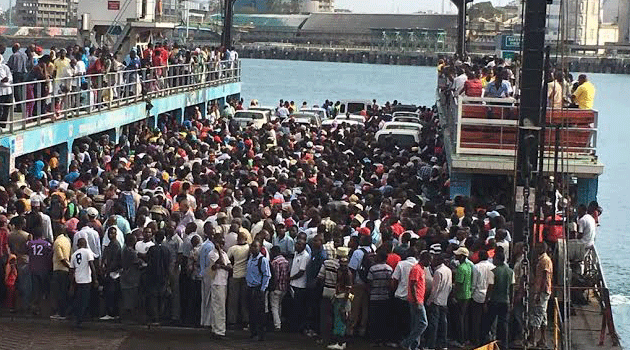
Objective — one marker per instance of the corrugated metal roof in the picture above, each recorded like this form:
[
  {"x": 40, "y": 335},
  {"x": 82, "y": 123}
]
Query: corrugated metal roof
[{"x": 360, "y": 23}]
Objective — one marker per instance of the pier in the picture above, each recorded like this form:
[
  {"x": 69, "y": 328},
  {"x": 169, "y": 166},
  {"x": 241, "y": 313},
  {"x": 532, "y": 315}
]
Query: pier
[{"x": 373, "y": 55}]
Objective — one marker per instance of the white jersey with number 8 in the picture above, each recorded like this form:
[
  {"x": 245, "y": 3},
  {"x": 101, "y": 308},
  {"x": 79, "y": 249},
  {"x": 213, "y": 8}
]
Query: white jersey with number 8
[{"x": 80, "y": 262}]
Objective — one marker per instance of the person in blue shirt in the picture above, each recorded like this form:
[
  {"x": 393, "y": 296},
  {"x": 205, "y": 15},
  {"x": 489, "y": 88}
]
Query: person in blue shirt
[
  {"x": 498, "y": 88},
  {"x": 257, "y": 278}
]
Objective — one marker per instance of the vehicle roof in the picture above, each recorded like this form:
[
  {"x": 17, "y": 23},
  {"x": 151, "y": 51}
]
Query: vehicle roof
[
  {"x": 397, "y": 132},
  {"x": 404, "y": 108},
  {"x": 302, "y": 114},
  {"x": 395, "y": 123},
  {"x": 394, "y": 119},
  {"x": 261, "y": 108}
]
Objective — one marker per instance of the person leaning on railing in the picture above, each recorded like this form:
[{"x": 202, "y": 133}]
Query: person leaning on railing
[{"x": 6, "y": 91}]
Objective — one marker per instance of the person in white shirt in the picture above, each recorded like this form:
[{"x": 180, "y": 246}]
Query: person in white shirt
[
  {"x": 220, "y": 266},
  {"x": 297, "y": 281},
  {"x": 6, "y": 91},
  {"x": 91, "y": 237},
  {"x": 82, "y": 267},
  {"x": 480, "y": 277},
  {"x": 400, "y": 284},
  {"x": 36, "y": 203},
  {"x": 587, "y": 228}
]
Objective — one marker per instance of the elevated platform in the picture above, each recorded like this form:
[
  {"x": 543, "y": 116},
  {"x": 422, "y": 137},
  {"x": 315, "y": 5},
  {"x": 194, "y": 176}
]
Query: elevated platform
[
  {"x": 34, "y": 125},
  {"x": 480, "y": 136}
]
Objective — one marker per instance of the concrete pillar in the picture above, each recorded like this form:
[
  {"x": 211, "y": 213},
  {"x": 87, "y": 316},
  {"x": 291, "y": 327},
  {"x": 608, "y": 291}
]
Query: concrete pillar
[
  {"x": 65, "y": 151},
  {"x": 179, "y": 114},
  {"x": 461, "y": 184},
  {"x": 5, "y": 164},
  {"x": 587, "y": 190}
]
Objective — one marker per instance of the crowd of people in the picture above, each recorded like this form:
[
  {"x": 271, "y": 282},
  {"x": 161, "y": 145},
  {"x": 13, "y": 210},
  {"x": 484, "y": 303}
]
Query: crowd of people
[
  {"x": 285, "y": 228},
  {"x": 79, "y": 78},
  {"x": 498, "y": 78}
]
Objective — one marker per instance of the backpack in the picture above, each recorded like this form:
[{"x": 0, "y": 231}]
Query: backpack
[
  {"x": 129, "y": 206},
  {"x": 368, "y": 260}
]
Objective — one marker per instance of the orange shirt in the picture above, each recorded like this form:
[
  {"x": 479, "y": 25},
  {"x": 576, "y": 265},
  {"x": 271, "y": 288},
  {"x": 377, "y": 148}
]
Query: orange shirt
[{"x": 544, "y": 271}]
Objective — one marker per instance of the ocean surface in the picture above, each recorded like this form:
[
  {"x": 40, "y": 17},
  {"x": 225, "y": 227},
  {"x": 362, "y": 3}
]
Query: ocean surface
[{"x": 314, "y": 82}]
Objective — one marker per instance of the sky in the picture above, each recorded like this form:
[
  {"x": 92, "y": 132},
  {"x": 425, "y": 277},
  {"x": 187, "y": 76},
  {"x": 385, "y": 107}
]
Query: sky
[{"x": 399, "y": 6}]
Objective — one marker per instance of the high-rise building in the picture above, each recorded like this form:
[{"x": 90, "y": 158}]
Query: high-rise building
[
  {"x": 580, "y": 18},
  {"x": 41, "y": 13},
  {"x": 73, "y": 16}
]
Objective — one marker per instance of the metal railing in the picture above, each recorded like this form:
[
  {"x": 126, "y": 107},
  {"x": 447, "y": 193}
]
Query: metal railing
[
  {"x": 50, "y": 100},
  {"x": 489, "y": 126},
  {"x": 593, "y": 267}
]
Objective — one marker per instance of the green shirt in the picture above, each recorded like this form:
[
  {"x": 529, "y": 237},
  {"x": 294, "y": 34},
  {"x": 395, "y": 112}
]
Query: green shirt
[
  {"x": 502, "y": 277},
  {"x": 463, "y": 277}
]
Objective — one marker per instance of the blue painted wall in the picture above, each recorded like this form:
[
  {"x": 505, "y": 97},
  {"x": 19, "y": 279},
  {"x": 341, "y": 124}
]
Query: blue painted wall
[{"x": 32, "y": 140}]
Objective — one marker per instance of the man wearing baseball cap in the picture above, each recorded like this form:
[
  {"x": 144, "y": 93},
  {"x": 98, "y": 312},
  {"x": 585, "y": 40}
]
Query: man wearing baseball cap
[{"x": 462, "y": 285}]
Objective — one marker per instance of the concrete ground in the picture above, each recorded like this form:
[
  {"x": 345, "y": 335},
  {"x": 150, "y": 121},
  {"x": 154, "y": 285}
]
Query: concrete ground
[{"x": 38, "y": 333}]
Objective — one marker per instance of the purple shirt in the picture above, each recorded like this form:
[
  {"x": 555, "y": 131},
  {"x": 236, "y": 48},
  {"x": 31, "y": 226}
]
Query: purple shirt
[{"x": 40, "y": 256}]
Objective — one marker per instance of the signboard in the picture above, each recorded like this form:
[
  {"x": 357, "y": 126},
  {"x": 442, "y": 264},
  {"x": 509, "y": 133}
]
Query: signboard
[
  {"x": 113, "y": 5},
  {"x": 508, "y": 55},
  {"x": 511, "y": 43},
  {"x": 520, "y": 199}
]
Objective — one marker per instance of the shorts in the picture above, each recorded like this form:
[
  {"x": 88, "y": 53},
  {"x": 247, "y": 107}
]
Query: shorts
[{"x": 538, "y": 314}]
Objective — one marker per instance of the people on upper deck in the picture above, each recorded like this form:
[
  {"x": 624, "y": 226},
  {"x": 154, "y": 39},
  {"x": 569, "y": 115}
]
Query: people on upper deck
[
  {"x": 584, "y": 95},
  {"x": 555, "y": 97}
]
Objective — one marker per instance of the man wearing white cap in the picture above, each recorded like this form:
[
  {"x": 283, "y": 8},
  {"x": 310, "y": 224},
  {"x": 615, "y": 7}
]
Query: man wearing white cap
[{"x": 36, "y": 203}]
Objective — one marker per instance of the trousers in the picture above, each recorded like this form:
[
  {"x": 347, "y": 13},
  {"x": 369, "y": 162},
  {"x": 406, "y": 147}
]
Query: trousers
[
  {"x": 276, "y": 297},
  {"x": 359, "y": 313},
  {"x": 218, "y": 297},
  {"x": 438, "y": 327},
  {"x": 206, "y": 308},
  {"x": 418, "y": 324},
  {"x": 237, "y": 301}
]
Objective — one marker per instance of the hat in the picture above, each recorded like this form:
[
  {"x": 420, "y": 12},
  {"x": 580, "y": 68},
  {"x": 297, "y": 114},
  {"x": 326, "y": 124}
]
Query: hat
[
  {"x": 493, "y": 214},
  {"x": 433, "y": 160},
  {"x": 461, "y": 251},
  {"x": 353, "y": 199},
  {"x": 435, "y": 249},
  {"x": 342, "y": 252},
  {"x": 221, "y": 215},
  {"x": 92, "y": 212},
  {"x": 36, "y": 200},
  {"x": 358, "y": 206},
  {"x": 359, "y": 218},
  {"x": 364, "y": 231}
]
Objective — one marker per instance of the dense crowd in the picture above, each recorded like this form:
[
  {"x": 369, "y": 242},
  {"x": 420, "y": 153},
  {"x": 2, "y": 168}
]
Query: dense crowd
[{"x": 283, "y": 228}]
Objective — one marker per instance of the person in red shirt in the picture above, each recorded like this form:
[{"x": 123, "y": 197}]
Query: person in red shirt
[
  {"x": 392, "y": 258},
  {"x": 415, "y": 297},
  {"x": 473, "y": 86}
]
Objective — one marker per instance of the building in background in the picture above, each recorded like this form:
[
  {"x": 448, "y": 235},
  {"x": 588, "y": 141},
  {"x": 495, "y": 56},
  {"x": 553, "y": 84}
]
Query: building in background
[
  {"x": 623, "y": 19},
  {"x": 73, "y": 14},
  {"x": 580, "y": 18},
  {"x": 41, "y": 13},
  {"x": 283, "y": 6}
]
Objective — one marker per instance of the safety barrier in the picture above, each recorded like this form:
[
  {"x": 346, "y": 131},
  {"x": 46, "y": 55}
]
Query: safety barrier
[
  {"x": 490, "y": 126},
  {"x": 49, "y": 100}
]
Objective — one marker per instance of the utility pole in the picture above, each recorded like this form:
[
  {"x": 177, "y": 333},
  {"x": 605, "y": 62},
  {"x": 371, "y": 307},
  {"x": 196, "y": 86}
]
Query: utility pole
[
  {"x": 226, "y": 35},
  {"x": 461, "y": 27}
]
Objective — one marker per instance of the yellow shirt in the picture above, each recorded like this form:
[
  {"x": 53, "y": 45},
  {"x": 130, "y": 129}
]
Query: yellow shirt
[
  {"x": 584, "y": 95},
  {"x": 61, "y": 251}
]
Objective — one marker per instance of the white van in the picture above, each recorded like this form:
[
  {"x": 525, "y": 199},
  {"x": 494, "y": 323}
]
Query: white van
[
  {"x": 403, "y": 137},
  {"x": 353, "y": 106},
  {"x": 252, "y": 117}
]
